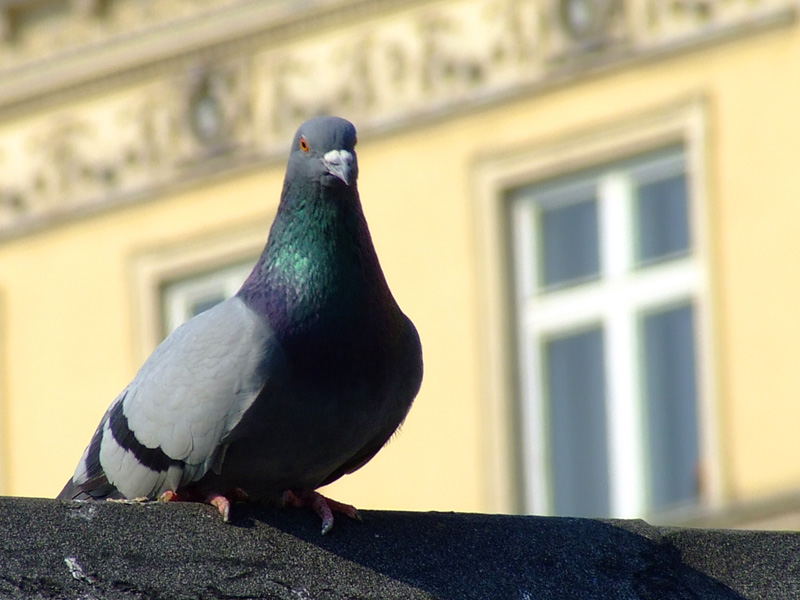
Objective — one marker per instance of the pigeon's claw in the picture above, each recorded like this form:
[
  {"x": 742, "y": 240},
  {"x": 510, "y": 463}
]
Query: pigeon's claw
[
  {"x": 169, "y": 496},
  {"x": 340, "y": 507},
  {"x": 324, "y": 507},
  {"x": 222, "y": 503}
]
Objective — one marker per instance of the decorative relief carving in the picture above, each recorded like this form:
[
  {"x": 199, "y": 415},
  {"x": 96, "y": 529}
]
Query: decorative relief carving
[
  {"x": 435, "y": 57},
  {"x": 67, "y": 162},
  {"x": 421, "y": 62},
  {"x": 585, "y": 27},
  {"x": 128, "y": 145},
  {"x": 34, "y": 30},
  {"x": 215, "y": 111}
]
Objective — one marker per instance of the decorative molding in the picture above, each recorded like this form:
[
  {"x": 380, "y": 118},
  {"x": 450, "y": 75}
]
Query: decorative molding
[
  {"x": 215, "y": 107},
  {"x": 131, "y": 141},
  {"x": 33, "y": 31}
]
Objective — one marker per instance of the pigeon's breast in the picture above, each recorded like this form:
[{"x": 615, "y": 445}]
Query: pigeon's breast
[{"x": 307, "y": 424}]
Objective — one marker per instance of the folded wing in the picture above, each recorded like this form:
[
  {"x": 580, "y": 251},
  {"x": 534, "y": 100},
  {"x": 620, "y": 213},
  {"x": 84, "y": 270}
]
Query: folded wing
[{"x": 167, "y": 428}]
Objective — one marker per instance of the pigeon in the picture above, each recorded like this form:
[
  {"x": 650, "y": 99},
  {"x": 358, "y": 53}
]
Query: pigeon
[{"x": 298, "y": 379}]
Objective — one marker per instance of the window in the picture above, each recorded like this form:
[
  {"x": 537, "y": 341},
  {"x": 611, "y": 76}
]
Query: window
[
  {"x": 188, "y": 297},
  {"x": 607, "y": 294}
]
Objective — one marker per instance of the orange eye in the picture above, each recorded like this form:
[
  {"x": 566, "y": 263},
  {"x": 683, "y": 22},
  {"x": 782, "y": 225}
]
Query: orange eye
[{"x": 303, "y": 144}]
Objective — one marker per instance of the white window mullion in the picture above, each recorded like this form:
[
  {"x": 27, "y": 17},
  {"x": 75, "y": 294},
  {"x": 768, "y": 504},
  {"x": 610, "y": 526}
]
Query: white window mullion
[
  {"x": 535, "y": 457},
  {"x": 679, "y": 278},
  {"x": 566, "y": 310},
  {"x": 523, "y": 215},
  {"x": 622, "y": 394},
  {"x": 628, "y": 494},
  {"x": 613, "y": 191}
]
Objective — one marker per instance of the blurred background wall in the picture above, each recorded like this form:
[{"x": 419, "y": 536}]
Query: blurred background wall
[{"x": 590, "y": 209}]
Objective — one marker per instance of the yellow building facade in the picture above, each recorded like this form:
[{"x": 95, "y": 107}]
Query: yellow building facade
[{"x": 587, "y": 207}]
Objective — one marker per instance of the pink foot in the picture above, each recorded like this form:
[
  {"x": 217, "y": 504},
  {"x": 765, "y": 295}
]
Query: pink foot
[
  {"x": 169, "y": 496},
  {"x": 222, "y": 504},
  {"x": 324, "y": 507}
]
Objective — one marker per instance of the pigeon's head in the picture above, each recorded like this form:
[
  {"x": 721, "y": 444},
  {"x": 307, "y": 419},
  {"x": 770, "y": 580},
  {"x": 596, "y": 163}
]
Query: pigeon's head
[{"x": 324, "y": 150}]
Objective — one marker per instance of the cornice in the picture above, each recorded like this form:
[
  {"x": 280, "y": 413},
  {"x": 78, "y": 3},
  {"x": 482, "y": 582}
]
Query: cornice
[
  {"x": 93, "y": 53},
  {"x": 226, "y": 87}
]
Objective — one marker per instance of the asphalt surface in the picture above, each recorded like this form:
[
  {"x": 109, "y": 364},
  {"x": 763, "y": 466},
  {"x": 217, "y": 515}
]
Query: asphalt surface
[{"x": 94, "y": 551}]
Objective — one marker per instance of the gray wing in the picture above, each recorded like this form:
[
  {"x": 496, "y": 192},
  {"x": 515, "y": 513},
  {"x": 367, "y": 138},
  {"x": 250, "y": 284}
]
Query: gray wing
[{"x": 166, "y": 429}]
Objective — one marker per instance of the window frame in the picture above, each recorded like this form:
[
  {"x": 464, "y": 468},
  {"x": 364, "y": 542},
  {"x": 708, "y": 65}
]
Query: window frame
[
  {"x": 615, "y": 300},
  {"x": 684, "y": 124}
]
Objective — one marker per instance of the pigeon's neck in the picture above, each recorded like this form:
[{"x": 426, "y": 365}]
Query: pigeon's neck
[{"x": 319, "y": 274}]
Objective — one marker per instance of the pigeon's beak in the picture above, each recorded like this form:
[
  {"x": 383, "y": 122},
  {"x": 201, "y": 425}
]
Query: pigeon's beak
[{"x": 341, "y": 164}]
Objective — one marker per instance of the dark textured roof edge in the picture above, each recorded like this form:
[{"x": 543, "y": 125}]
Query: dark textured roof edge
[{"x": 59, "y": 549}]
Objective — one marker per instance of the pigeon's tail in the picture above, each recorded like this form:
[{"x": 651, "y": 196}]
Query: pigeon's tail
[
  {"x": 98, "y": 491},
  {"x": 72, "y": 492},
  {"x": 90, "y": 481}
]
